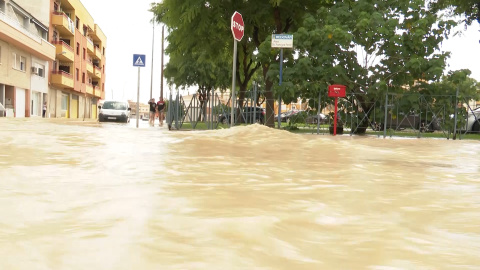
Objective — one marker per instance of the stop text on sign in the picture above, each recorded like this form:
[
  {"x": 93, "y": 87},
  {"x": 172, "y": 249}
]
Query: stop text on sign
[{"x": 237, "y": 26}]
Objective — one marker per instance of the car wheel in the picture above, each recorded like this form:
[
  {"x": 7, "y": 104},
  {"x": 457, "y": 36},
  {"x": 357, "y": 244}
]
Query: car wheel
[{"x": 476, "y": 127}]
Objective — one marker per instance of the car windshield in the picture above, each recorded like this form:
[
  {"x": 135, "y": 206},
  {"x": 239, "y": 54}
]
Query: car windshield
[{"x": 111, "y": 105}]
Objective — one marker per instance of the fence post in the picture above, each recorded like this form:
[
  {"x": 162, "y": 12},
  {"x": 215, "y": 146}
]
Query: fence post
[
  {"x": 385, "y": 120},
  {"x": 455, "y": 116},
  {"x": 319, "y": 110}
]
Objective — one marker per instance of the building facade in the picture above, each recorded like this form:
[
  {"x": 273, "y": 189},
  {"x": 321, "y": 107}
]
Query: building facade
[
  {"x": 77, "y": 78},
  {"x": 51, "y": 53},
  {"x": 25, "y": 55}
]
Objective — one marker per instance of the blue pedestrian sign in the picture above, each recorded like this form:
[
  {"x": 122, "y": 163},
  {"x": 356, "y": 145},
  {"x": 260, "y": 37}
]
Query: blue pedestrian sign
[{"x": 139, "y": 60}]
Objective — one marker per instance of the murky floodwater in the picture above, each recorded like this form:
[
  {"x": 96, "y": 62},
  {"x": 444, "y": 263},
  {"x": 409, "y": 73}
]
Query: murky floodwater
[{"x": 77, "y": 195}]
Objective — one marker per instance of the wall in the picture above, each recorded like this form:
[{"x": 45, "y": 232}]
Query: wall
[
  {"x": 40, "y": 9},
  {"x": 40, "y": 84},
  {"x": 11, "y": 76}
]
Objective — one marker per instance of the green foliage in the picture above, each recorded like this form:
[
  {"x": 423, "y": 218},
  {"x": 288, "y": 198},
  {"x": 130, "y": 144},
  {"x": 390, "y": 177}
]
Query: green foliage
[{"x": 470, "y": 9}]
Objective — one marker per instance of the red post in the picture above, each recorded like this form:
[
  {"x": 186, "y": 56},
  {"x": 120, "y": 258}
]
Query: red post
[
  {"x": 336, "y": 91},
  {"x": 335, "y": 118}
]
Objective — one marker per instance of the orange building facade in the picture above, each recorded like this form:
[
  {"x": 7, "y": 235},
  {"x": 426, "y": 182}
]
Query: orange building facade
[{"x": 77, "y": 77}]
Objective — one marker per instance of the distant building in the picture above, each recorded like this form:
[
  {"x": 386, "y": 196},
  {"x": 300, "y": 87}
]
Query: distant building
[
  {"x": 77, "y": 78},
  {"x": 50, "y": 51},
  {"x": 25, "y": 56}
]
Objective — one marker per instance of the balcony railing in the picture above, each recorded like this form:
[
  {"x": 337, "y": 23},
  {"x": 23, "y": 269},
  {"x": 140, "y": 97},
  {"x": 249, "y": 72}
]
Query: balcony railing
[
  {"x": 61, "y": 19},
  {"x": 63, "y": 43},
  {"x": 98, "y": 91},
  {"x": 62, "y": 79},
  {"x": 15, "y": 24},
  {"x": 98, "y": 52},
  {"x": 90, "y": 46},
  {"x": 89, "y": 89},
  {"x": 97, "y": 72},
  {"x": 89, "y": 66}
]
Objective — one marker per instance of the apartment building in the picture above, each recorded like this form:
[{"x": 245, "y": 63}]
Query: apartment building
[
  {"x": 77, "y": 79},
  {"x": 25, "y": 56}
]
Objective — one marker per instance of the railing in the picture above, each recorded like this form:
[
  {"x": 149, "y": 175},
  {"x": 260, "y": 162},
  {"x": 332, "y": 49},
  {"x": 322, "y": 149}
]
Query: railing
[
  {"x": 61, "y": 14},
  {"x": 63, "y": 43},
  {"x": 90, "y": 41},
  {"x": 15, "y": 24},
  {"x": 63, "y": 73}
]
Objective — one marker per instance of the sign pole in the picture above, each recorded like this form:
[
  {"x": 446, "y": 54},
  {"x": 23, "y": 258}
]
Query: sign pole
[
  {"x": 279, "y": 96},
  {"x": 335, "y": 117},
  {"x": 138, "y": 97},
  {"x": 232, "y": 117}
]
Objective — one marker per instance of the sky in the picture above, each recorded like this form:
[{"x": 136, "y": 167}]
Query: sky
[{"x": 129, "y": 31}]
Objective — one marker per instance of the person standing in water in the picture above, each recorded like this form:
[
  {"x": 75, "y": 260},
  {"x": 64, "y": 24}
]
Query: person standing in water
[
  {"x": 153, "y": 107},
  {"x": 160, "y": 110}
]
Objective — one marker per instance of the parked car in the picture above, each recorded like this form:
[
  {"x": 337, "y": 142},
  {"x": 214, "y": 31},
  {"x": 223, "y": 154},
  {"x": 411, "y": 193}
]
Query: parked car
[
  {"x": 473, "y": 121},
  {"x": 317, "y": 118},
  {"x": 411, "y": 121},
  {"x": 285, "y": 116},
  {"x": 114, "y": 111},
  {"x": 249, "y": 115}
]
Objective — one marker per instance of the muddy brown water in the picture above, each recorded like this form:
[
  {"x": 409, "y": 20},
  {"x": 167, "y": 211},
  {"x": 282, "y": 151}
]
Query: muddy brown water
[{"x": 84, "y": 195}]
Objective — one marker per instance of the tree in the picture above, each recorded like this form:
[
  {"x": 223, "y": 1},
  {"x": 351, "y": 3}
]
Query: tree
[
  {"x": 470, "y": 9},
  {"x": 203, "y": 27},
  {"x": 372, "y": 46}
]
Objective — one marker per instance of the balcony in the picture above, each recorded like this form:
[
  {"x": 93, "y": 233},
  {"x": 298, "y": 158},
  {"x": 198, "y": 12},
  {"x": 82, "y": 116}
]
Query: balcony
[
  {"x": 13, "y": 32},
  {"x": 89, "y": 66},
  {"x": 90, "y": 46},
  {"x": 63, "y": 23},
  {"x": 97, "y": 72},
  {"x": 64, "y": 51},
  {"x": 62, "y": 79},
  {"x": 98, "y": 53},
  {"x": 89, "y": 89},
  {"x": 98, "y": 91}
]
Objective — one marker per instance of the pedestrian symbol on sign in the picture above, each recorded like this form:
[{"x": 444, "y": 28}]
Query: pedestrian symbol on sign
[{"x": 138, "y": 60}]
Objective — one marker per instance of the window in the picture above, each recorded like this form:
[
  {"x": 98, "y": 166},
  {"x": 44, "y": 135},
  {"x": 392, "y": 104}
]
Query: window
[
  {"x": 103, "y": 87},
  {"x": 84, "y": 53},
  {"x": 103, "y": 50},
  {"x": 64, "y": 102},
  {"x": 77, "y": 22},
  {"x": 19, "y": 62},
  {"x": 23, "y": 63},
  {"x": 83, "y": 77},
  {"x": 103, "y": 69},
  {"x": 41, "y": 72},
  {"x": 77, "y": 74},
  {"x": 78, "y": 48}
]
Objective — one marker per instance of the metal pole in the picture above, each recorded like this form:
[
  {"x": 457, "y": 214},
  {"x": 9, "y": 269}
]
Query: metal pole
[
  {"x": 385, "y": 121},
  {"x": 232, "y": 122},
  {"x": 138, "y": 97},
  {"x": 163, "y": 51},
  {"x": 151, "y": 73},
  {"x": 319, "y": 111},
  {"x": 455, "y": 116},
  {"x": 255, "y": 102},
  {"x": 335, "y": 117},
  {"x": 279, "y": 96}
]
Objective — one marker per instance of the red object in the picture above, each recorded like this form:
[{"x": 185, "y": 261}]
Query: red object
[
  {"x": 237, "y": 26},
  {"x": 337, "y": 90}
]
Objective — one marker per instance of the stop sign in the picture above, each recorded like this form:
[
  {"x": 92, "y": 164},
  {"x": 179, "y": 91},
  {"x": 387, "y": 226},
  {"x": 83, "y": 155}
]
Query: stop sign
[{"x": 237, "y": 26}]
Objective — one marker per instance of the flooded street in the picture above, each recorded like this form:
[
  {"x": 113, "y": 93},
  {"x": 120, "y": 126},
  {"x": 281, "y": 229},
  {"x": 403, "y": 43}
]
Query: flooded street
[{"x": 76, "y": 195}]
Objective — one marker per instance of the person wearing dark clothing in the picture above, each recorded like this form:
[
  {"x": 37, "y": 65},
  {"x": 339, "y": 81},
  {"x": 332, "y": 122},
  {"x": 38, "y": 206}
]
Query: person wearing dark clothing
[
  {"x": 160, "y": 110},
  {"x": 153, "y": 107}
]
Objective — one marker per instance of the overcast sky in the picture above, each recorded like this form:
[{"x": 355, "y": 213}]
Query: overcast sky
[{"x": 129, "y": 31}]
